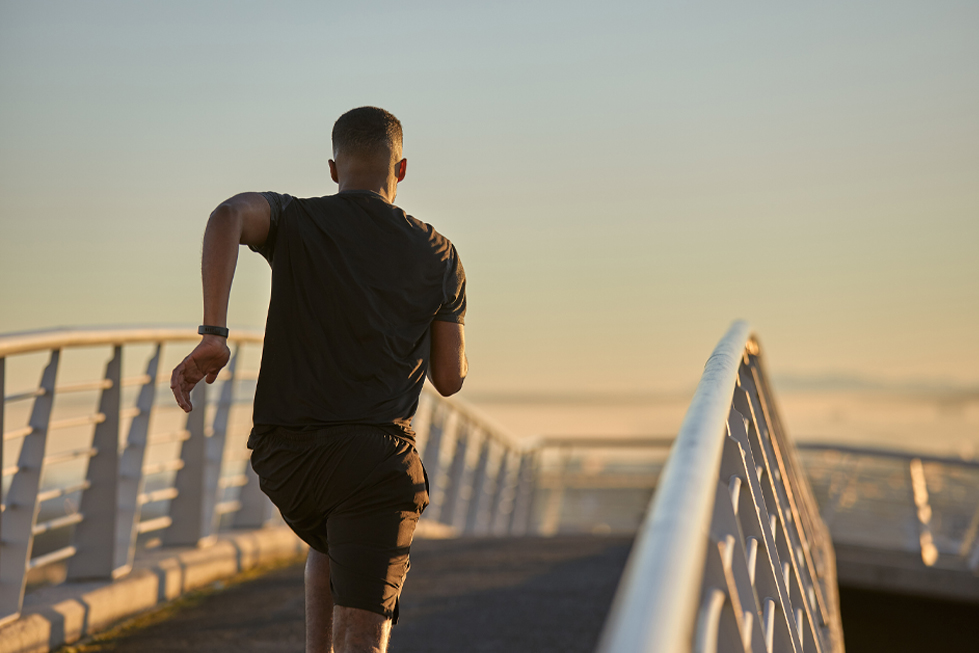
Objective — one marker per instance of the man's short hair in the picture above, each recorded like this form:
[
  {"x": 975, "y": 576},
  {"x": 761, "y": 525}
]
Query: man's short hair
[{"x": 367, "y": 130}]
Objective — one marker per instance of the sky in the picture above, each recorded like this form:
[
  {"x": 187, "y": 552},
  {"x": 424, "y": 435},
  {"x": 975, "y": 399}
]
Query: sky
[{"x": 621, "y": 179}]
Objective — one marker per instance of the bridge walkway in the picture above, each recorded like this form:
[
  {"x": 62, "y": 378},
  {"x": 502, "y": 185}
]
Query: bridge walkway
[
  {"x": 466, "y": 594},
  {"x": 504, "y": 594},
  {"x": 78, "y": 507}
]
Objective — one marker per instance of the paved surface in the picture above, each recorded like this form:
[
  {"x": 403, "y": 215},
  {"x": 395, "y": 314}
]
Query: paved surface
[{"x": 524, "y": 594}]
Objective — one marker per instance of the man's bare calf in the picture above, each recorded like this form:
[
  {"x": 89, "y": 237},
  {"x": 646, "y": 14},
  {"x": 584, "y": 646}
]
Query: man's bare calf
[
  {"x": 338, "y": 629},
  {"x": 359, "y": 631}
]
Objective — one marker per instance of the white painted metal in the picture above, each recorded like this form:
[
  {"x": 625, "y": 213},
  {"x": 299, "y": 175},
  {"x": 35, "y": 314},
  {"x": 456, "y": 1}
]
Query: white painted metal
[
  {"x": 901, "y": 521},
  {"x": 131, "y": 475},
  {"x": 108, "y": 520},
  {"x": 477, "y": 509},
  {"x": 500, "y": 495},
  {"x": 20, "y": 507},
  {"x": 95, "y": 535},
  {"x": 20, "y": 343},
  {"x": 457, "y": 483},
  {"x": 487, "y": 487},
  {"x": 732, "y": 555},
  {"x": 114, "y": 498},
  {"x": 523, "y": 502},
  {"x": 191, "y": 511},
  {"x": 657, "y": 599}
]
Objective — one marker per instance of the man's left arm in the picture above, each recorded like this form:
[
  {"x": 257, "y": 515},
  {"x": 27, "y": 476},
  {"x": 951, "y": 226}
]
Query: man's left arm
[
  {"x": 244, "y": 219},
  {"x": 447, "y": 365}
]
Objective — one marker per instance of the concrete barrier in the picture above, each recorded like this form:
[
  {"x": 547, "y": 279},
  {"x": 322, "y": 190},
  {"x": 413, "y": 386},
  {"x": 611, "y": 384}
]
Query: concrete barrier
[{"x": 63, "y": 614}]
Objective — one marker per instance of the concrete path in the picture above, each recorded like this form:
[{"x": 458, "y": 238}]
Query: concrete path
[{"x": 464, "y": 595}]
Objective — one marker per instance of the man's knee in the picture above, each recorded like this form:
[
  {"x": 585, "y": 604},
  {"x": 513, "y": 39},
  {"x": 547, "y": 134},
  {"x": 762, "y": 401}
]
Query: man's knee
[{"x": 359, "y": 631}]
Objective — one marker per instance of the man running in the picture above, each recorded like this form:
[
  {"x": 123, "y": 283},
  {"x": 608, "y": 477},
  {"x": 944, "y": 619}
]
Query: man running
[{"x": 366, "y": 300}]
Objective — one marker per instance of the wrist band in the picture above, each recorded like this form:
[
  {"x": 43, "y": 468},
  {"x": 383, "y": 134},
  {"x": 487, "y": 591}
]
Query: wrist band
[{"x": 208, "y": 330}]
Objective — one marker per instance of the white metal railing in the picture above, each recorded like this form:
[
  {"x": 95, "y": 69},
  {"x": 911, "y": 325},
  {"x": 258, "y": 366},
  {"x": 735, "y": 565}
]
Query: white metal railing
[
  {"x": 892, "y": 501},
  {"x": 86, "y": 487},
  {"x": 485, "y": 482},
  {"x": 732, "y": 555},
  {"x": 97, "y": 468}
]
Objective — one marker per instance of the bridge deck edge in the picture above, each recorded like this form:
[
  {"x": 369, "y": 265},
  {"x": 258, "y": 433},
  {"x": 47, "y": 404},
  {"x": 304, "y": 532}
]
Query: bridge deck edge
[{"x": 66, "y": 613}]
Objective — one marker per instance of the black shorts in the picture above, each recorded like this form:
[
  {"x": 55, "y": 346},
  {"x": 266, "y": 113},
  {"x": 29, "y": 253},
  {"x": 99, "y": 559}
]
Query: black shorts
[{"x": 353, "y": 493}]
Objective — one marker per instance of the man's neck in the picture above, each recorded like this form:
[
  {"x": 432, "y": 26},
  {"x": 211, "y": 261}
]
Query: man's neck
[{"x": 388, "y": 189}]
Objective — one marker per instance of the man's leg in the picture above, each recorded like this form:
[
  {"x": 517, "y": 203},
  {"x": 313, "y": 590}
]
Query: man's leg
[
  {"x": 369, "y": 538},
  {"x": 352, "y": 630},
  {"x": 359, "y": 631},
  {"x": 319, "y": 604}
]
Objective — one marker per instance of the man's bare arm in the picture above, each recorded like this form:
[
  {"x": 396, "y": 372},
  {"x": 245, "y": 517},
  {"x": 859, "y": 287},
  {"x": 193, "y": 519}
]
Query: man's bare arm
[
  {"x": 447, "y": 365},
  {"x": 241, "y": 220}
]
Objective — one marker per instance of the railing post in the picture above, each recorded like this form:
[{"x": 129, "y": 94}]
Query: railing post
[
  {"x": 131, "y": 470},
  {"x": 94, "y": 537},
  {"x": 20, "y": 512},
  {"x": 477, "y": 500},
  {"x": 215, "y": 451},
  {"x": 551, "y": 519},
  {"x": 523, "y": 503},
  {"x": 189, "y": 510},
  {"x": 502, "y": 494},
  {"x": 423, "y": 419},
  {"x": 256, "y": 508},
  {"x": 455, "y": 487},
  {"x": 432, "y": 458}
]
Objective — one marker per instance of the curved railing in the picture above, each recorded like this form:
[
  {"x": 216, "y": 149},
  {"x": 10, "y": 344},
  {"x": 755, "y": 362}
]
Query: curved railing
[
  {"x": 102, "y": 463},
  {"x": 733, "y": 555},
  {"x": 902, "y": 521},
  {"x": 105, "y": 463},
  {"x": 99, "y": 463}
]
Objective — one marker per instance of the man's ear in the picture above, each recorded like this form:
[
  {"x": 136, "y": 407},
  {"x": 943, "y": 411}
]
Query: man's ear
[
  {"x": 401, "y": 167},
  {"x": 333, "y": 171}
]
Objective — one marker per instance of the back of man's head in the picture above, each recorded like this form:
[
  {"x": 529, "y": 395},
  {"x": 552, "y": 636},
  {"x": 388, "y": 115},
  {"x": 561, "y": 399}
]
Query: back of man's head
[{"x": 367, "y": 132}]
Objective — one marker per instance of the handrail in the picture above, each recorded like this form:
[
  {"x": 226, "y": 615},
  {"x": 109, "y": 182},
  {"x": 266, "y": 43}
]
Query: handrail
[
  {"x": 882, "y": 452},
  {"x": 857, "y": 486},
  {"x": 108, "y": 514},
  {"x": 732, "y": 546},
  {"x": 21, "y": 343},
  {"x": 484, "y": 481},
  {"x": 608, "y": 442},
  {"x": 671, "y": 543}
]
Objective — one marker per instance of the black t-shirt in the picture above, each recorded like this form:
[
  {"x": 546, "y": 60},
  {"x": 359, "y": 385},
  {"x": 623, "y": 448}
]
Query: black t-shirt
[{"x": 356, "y": 284}]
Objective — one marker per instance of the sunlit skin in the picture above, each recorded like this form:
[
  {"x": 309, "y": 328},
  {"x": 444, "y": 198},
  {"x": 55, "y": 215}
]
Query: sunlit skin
[
  {"x": 380, "y": 172},
  {"x": 244, "y": 220}
]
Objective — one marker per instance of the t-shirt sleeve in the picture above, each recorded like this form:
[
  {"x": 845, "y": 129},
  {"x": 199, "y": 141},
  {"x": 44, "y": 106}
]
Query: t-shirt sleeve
[
  {"x": 277, "y": 206},
  {"x": 453, "y": 308}
]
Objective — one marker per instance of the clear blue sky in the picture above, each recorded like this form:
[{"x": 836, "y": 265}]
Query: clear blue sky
[{"x": 621, "y": 179}]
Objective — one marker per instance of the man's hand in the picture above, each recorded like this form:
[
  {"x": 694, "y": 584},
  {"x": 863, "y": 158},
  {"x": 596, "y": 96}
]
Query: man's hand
[{"x": 207, "y": 359}]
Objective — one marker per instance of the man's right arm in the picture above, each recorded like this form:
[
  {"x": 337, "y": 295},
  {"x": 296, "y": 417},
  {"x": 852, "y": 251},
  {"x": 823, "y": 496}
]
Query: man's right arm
[
  {"x": 241, "y": 220},
  {"x": 447, "y": 365}
]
